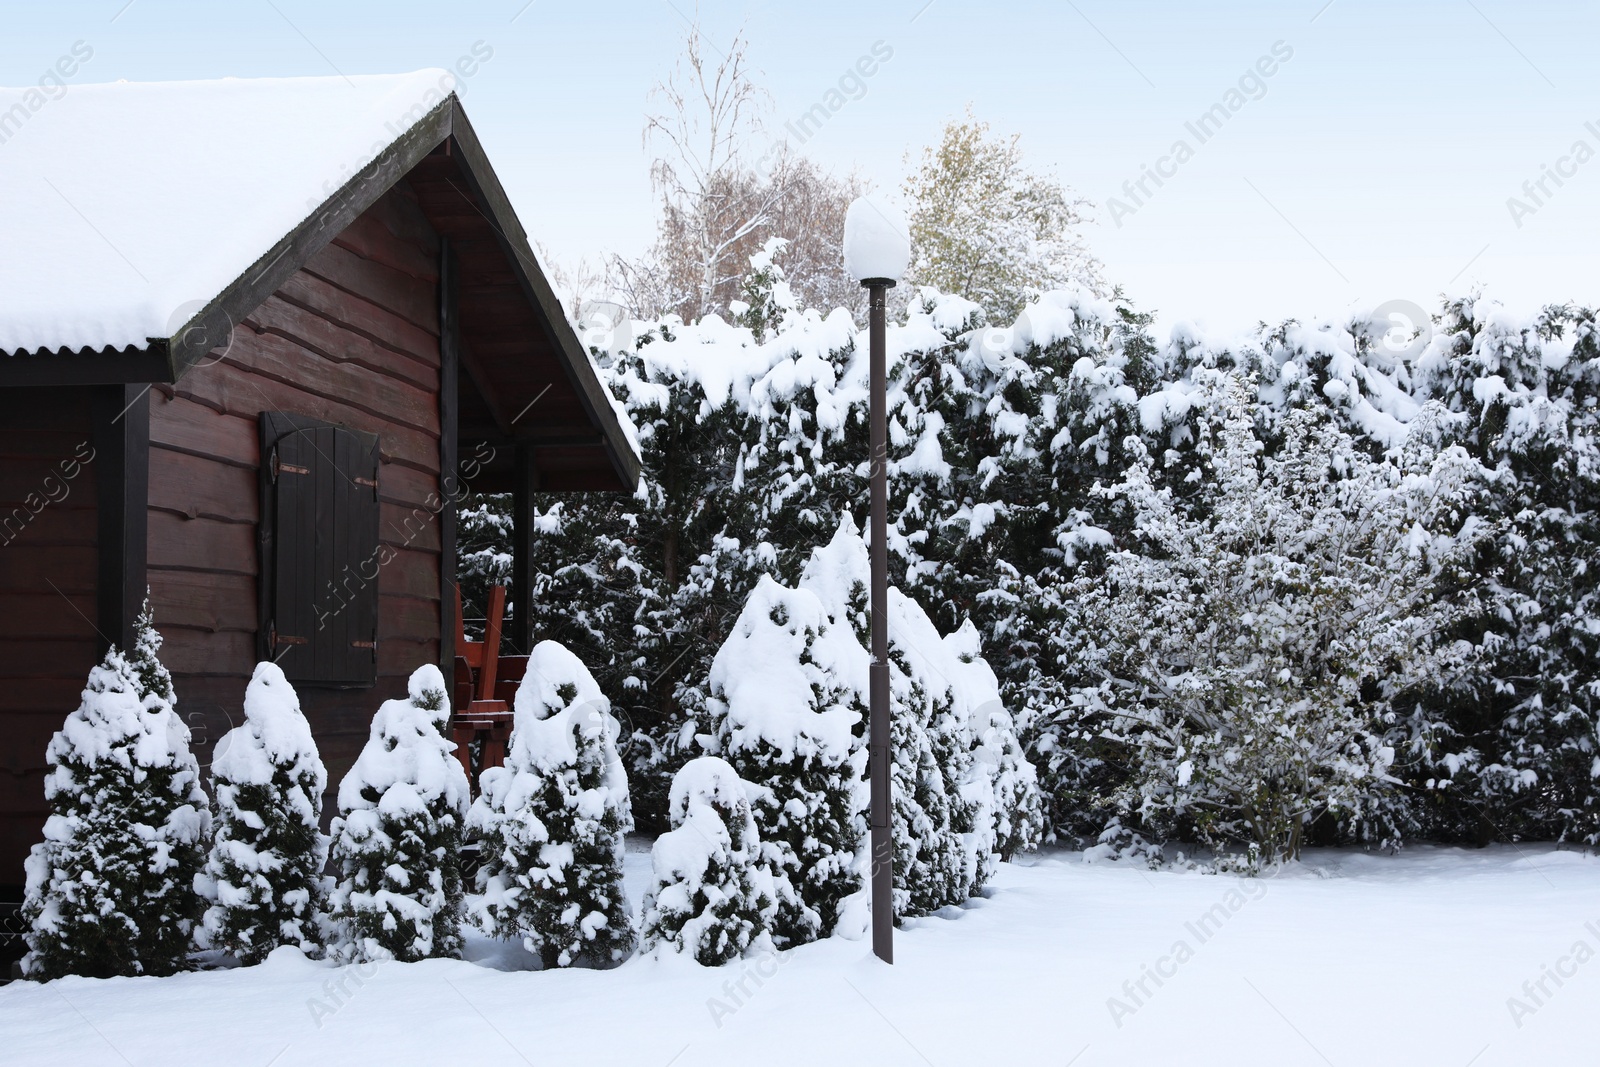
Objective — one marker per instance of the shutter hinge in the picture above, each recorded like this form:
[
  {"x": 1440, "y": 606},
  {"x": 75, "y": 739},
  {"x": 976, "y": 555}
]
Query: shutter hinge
[
  {"x": 279, "y": 467},
  {"x": 365, "y": 644}
]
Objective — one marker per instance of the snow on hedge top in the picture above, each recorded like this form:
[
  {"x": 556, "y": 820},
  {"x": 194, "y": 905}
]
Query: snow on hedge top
[
  {"x": 275, "y": 734},
  {"x": 840, "y": 574},
  {"x": 555, "y": 680},
  {"x": 776, "y": 675},
  {"x": 708, "y": 781},
  {"x": 560, "y": 708},
  {"x": 112, "y": 724},
  {"x": 131, "y": 206},
  {"x": 877, "y": 240},
  {"x": 407, "y": 763}
]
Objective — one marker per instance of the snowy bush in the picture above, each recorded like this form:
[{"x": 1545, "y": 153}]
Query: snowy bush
[
  {"x": 552, "y": 822},
  {"x": 785, "y": 709},
  {"x": 264, "y": 874},
  {"x": 397, "y": 840},
  {"x": 1013, "y": 803},
  {"x": 1250, "y": 663},
  {"x": 712, "y": 896},
  {"x": 110, "y": 891},
  {"x": 959, "y": 775},
  {"x": 1518, "y": 749}
]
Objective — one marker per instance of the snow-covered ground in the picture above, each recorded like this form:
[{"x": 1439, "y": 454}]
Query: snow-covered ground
[{"x": 1345, "y": 959}]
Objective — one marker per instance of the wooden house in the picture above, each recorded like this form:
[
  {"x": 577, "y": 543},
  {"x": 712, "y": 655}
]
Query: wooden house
[{"x": 257, "y": 339}]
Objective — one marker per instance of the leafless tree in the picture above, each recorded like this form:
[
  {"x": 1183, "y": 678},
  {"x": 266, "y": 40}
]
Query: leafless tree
[{"x": 725, "y": 188}]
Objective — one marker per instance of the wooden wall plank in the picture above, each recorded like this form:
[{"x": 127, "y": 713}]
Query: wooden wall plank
[
  {"x": 413, "y": 299},
  {"x": 332, "y": 341},
  {"x": 29, "y": 568},
  {"x": 370, "y": 238},
  {"x": 179, "y": 542},
  {"x": 203, "y": 600},
  {"x": 229, "y": 387},
  {"x": 285, "y": 360},
  {"x": 368, "y": 320},
  {"x": 201, "y": 488},
  {"x": 183, "y": 425}
]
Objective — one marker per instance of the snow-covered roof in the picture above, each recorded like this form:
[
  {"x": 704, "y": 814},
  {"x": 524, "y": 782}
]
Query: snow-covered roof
[{"x": 129, "y": 207}]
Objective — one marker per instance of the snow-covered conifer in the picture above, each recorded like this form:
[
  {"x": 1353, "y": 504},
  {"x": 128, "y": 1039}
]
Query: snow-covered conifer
[
  {"x": 264, "y": 874},
  {"x": 552, "y": 822},
  {"x": 397, "y": 840},
  {"x": 110, "y": 891},
  {"x": 784, "y": 707},
  {"x": 998, "y": 760},
  {"x": 712, "y": 896}
]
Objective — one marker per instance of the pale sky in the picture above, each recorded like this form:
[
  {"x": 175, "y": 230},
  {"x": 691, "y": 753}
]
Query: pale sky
[{"x": 1374, "y": 163}]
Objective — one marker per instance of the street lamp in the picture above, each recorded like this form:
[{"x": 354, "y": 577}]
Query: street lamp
[{"x": 877, "y": 250}]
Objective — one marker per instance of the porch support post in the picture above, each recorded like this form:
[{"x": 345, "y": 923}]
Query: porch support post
[
  {"x": 450, "y": 487},
  {"x": 121, "y": 441},
  {"x": 522, "y": 515}
]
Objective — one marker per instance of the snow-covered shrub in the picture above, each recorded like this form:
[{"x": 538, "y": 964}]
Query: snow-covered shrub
[
  {"x": 784, "y": 708},
  {"x": 552, "y": 822},
  {"x": 712, "y": 896},
  {"x": 948, "y": 802},
  {"x": 1251, "y": 662},
  {"x": 998, "y": 760},
  {"x": 110, "y": 891},
  {"x": 397, "y": 840},
  {"x": 1516, "y": 754},
  {"x": 264, "y": 874},
  {"x": 960, "y": 777}
]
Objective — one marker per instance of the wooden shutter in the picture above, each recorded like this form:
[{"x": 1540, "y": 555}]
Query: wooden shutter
[{"x": 319, "y": 551}]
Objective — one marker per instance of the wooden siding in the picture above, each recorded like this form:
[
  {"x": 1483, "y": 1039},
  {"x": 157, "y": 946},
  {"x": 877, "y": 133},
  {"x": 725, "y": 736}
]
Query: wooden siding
[
  {"x": 48, "y": 564},
  {"x": 352, "y": 339}
]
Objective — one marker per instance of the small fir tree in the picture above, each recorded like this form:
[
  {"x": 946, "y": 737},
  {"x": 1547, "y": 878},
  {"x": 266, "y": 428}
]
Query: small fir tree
[
  {"x": 711, "y": 897},
  {"x": 552, "y": 822},
  {"x": 110, "y": 891},
  {"x": 998, "y": 761},
  {"x": 397, "y": 841},
  {"x": 264, "y": 875},
  {"x": 784, "y": 708}
]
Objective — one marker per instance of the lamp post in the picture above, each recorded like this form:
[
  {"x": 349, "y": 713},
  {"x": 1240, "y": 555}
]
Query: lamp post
[{"x": 877, "y": 250}]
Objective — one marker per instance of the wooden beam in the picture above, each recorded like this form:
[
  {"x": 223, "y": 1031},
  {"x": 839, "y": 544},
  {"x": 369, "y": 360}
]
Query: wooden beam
[
  {"x": 449, "y": 456},
  {"x": 522, "y": 534},
  {"x": 122, "y": 480},
  {"x": 104, "y": 367}
]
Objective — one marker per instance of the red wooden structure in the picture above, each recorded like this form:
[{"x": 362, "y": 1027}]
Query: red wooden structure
[{"x": 485, "y": 687}]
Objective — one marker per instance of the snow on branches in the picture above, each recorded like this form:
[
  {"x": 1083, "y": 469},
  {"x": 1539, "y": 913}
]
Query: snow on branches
[
  {"x": 264, "y": 874},
  {"x": 110, "y": 891},
  {"x": 712, "y": 895},
  {"x": 552, "y": 821},
  {"x": 397, "y": 840}
]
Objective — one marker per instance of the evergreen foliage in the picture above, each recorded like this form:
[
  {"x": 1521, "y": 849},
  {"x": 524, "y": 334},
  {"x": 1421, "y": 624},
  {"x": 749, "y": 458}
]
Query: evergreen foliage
[
  {"x": 264, "y": 875},
  {"x": 712, "y": 896},
  {"x": 397, "y": 840},
  {"x": 110, "y": 890},
  {"x": 551, "y": 822}
]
